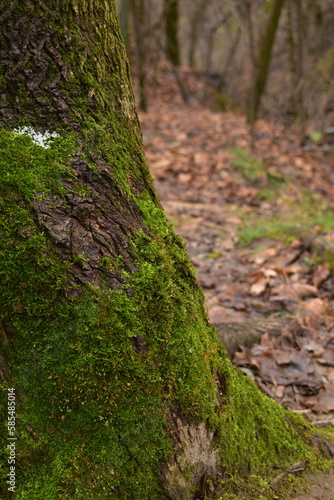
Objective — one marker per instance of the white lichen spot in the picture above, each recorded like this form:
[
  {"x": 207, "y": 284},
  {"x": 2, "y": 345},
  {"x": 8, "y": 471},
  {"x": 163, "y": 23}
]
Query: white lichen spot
[{"x": 41, "y": 139}]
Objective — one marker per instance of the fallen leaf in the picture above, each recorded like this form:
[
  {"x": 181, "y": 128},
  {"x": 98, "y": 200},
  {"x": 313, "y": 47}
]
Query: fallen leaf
[
  {"x": 262, "y": 256},
  {"x": 315, "y": 306},
  {"x": 322, "y": 402},
  {"x": 321, "y": 274},
  {"x": 259, "y": 287},
  {"x": 184, "y": 178},
  {"x": 283, "y": 357},
  {"x": 303, "y": 290},
  {"x": 280, "y": 391}
]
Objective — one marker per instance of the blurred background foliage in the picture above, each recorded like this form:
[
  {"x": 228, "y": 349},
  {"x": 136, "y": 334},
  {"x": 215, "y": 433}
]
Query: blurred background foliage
[{"x": 271, "y": 59}]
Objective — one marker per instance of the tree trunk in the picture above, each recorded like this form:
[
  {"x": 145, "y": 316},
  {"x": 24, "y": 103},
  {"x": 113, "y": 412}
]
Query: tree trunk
[
  {"x": 262, "y": 62},
  {"x": 122, "y": 389},
  {"x": 138, "y": 24},
  {"x": 195, "y": 25},
  {"x": 299, "y": 88},
  {"x": 172, "y": 38},
  {"x": 124, "y": 11}
]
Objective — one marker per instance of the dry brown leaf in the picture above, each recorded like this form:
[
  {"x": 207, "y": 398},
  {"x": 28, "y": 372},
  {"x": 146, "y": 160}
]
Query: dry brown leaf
[
  {"x": 283, "y": 357},
  {"x": 259, "y": 286},
  {"x": 270, "y": 273},
  {"x": 267, "y": 341},
  {"x": 303, "y": 290},
  {"x": 280, "y": 391},
  {"x": 184, "y": 178},
  {"x": 322, "y": 402},
  {"x": 284, "y": 293},
  {"x": 315, "y": 306},
  {"x": 295, "y": 268},
  {"x": 321, "y": 274},
  {"x": 287, "y": 258},
  {"x": 262, "y": 256}
]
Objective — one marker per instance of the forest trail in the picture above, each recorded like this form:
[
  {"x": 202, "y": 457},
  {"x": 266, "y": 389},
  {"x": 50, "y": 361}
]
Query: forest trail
[{"x": 259, "y": 228}]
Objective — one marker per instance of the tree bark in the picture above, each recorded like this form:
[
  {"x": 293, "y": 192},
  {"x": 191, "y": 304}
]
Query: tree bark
[{"x": 122, "y": 388}]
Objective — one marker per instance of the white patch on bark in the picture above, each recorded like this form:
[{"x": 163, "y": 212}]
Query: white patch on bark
[{"x": 38, "y": 138}]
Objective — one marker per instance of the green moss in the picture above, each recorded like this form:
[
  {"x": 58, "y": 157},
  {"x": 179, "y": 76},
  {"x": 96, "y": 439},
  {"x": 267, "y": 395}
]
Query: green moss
[
  {"x": 26, "y": 168},
  {"x": 256, "y": 488},
  {"x": 265, "y": 426},
  {"x": 100, "y": 373},
  {"x": 75, "y": 359},
  {"x": 214, "y": 255}
]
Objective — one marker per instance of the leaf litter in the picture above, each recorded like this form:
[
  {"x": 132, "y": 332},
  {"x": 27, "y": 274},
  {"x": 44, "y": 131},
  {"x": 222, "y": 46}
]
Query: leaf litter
[{"x": 253, "y": 222}]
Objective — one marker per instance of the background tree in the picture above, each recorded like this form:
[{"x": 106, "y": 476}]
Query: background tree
[
  {"x": 262, "y": 61},
  {"x": 123, "y": 390},
  {"x": 296, "y": 41},
  {"x": 138, "y": 12},
  {"x": 195, "y": 23},
  {"x": 124, "y": 11},
  {"x": 171, "y": 30}
]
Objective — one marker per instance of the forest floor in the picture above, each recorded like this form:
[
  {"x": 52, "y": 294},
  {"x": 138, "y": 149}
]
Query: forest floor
[{"x": 256, "y": 210}]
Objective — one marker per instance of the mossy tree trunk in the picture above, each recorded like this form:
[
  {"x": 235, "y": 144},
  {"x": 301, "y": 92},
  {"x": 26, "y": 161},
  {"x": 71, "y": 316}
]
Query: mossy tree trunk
[{"x": 122, "y": 389}]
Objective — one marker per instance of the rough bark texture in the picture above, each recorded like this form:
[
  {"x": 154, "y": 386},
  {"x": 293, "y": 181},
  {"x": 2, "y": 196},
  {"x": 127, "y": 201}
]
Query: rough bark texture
[{"x": 123, "y": 391}]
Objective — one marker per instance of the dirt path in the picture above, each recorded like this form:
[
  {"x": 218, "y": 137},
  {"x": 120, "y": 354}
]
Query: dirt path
[
  {"x": 321, "y": 487},
  {"x": 250, "y": 220}
]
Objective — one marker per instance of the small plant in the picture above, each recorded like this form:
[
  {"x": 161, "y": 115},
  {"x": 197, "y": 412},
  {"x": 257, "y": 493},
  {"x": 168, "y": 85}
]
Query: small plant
[
  {"x": 316, "y": 136},
  {"x": 248, "y": 166},
  {"x": 310, "y": 217},
  {"x": 214, "y": 255},
  {"x": 267, "y": 194}
]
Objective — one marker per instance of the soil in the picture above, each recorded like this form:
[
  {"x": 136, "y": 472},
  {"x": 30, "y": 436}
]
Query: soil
[{"x": 321, "y": 487}]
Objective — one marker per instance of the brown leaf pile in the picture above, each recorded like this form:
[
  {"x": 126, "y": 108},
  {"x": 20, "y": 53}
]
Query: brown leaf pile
[{"x": 190, "y": 150}]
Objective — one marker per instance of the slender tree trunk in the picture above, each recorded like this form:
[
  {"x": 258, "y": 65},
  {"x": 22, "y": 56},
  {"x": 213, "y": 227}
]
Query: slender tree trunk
[
  {"x": 124, "y": 11},
  {"x": 262, "y": 62},
  {"x": 299, "y": 89},
  {"x": 296, "y": 57},
  {"x": 229, "y": 58},
  {"x": 195, "y": 24},
  {"x": 122, "y": 389},
  {"x": 138, "y": 23},
  {"x": 172, "y": 38}
]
